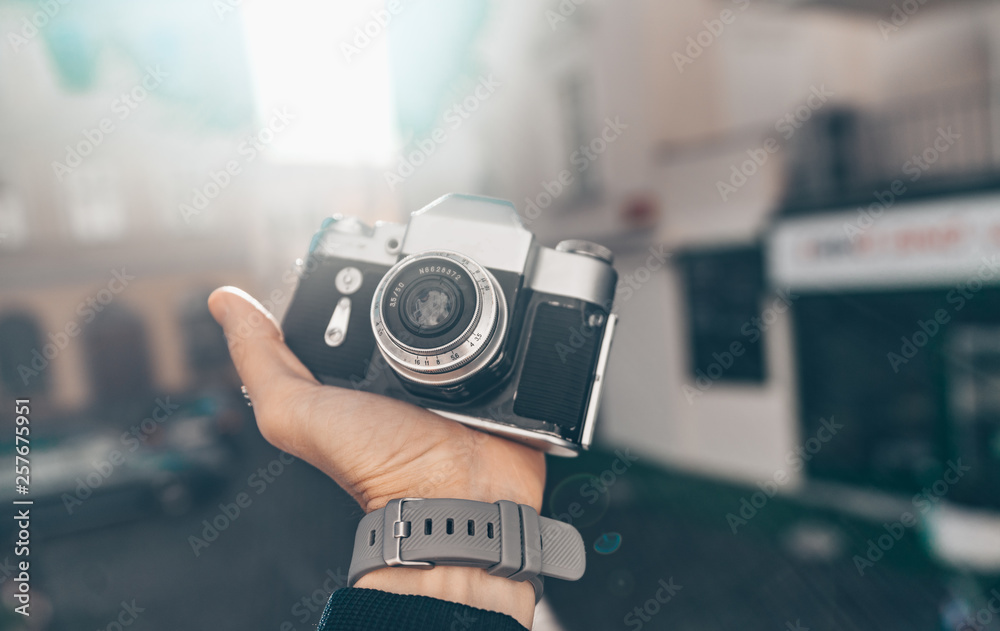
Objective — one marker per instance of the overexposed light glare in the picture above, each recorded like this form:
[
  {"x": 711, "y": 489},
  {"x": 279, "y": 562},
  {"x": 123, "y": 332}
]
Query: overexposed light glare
[{"x": 342, "y": 107}]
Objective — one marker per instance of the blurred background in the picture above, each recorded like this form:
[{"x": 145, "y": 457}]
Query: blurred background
[{"x": 801, "y": 423}]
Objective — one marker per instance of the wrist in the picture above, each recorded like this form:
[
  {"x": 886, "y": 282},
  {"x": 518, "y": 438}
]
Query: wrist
[
  {"x": 375, "y": 497},
  {"x": 468, "y": 473},
  {"x": 472, "y": 586},
  {"x": 373, "y": 503},
  {"x": 466, "y": 585}
]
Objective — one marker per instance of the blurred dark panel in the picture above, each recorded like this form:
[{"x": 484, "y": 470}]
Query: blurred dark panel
[
  {"x": 880, "y": 7},
  {"x": 897, "y": 426},
  {"x": 118, "y": 360},
  {"x": 724, "y": 290},
  {"x": 843, "y": 155},
  {"x": 207, "y": 353},
  {"x": 973, "y": 372},
  {"x": 20, "y": 339}
]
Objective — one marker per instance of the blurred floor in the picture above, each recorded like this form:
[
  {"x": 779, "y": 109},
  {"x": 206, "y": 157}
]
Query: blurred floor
[
  {"x": 270, "y": 569},
  {"x": 678, "y": 565},
  {"x": 273, "y": 567},
  {"x": 285, "y": 546}
]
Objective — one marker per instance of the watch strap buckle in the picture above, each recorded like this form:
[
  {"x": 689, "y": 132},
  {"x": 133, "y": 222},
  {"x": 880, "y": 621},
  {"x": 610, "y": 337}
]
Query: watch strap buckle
[{"x": 392, "y": 546}]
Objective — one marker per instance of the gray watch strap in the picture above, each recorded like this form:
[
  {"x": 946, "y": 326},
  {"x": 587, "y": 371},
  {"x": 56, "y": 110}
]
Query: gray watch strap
[{"x": 505, "y": 538}]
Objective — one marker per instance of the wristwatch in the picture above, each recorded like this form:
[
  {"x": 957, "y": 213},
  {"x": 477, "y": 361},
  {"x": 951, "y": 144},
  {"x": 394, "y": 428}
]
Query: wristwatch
[{"x": 505, "y": 538}]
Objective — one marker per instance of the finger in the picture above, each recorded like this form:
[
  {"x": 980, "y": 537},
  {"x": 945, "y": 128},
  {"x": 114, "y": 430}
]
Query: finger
[
  {"x": 286, "y": 398},
  {"x": 269, "y": 370}
]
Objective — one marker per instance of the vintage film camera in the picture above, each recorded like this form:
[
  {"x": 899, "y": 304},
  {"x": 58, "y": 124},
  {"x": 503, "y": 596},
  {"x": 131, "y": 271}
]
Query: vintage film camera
[{"x": 461, "y": 312}]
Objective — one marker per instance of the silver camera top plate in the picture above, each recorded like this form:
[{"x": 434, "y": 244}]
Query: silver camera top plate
[{"x": 484, "y": 228}]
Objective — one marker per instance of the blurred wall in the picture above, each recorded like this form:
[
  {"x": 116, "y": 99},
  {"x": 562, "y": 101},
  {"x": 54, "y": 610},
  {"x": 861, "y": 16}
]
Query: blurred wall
[
  {"x": 689, "y": 126},
  {"x": 676, "y": 116},
  {"x": 112, "y": 161}
]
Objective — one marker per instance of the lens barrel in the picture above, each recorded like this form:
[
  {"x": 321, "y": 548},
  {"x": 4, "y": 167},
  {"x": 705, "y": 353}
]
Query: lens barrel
[{"x": 438, "y": 317}]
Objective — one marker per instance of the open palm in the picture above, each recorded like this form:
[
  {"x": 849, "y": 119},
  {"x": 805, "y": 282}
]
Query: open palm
[{"x": 375, "y": 447}]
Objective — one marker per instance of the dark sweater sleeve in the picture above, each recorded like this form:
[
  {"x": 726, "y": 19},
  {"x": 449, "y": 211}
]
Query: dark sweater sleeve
[{"x": 353, "y": 609}]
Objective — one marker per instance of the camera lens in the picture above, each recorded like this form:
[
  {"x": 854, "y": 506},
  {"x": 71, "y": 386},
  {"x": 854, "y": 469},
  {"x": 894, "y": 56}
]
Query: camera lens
[
  {"x": 431, "y": 306},
  {"x": 438, "y": 317},
  {"x": 428, "y": 303}
]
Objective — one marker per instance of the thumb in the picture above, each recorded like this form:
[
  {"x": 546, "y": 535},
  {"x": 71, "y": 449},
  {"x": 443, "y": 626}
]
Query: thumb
[{"x": 269, "y": 370}]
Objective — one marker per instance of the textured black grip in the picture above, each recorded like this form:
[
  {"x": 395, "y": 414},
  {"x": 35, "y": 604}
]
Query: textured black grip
[
  {"x": 309, "y": 314},
  {"x": 559, "y": 365}
]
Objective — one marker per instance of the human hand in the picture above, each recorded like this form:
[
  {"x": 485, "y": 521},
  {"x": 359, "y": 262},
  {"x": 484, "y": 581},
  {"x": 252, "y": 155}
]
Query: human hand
[{"x": 378, "y": 449}]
